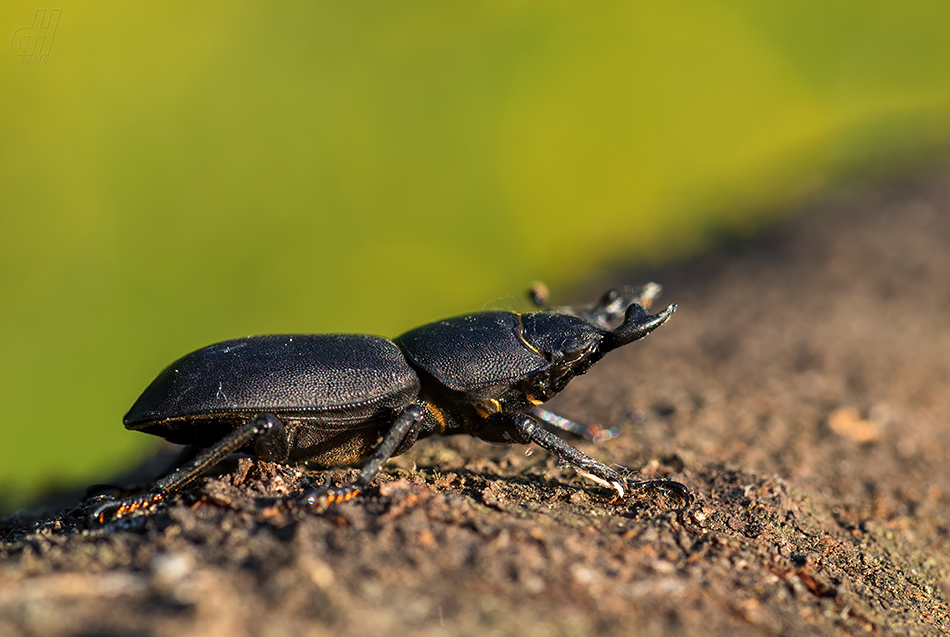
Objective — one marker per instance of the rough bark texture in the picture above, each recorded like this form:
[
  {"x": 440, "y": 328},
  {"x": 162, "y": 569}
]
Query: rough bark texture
[{"x": 801, "y": 391}]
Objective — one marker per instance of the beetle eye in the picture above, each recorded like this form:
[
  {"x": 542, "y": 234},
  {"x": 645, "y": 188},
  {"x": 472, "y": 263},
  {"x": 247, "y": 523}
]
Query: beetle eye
[{"x": 570, "y": 349}]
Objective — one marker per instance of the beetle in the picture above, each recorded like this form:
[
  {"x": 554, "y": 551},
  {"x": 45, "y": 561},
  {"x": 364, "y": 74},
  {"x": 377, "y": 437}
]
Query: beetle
[{"x": 338, "y": 399}]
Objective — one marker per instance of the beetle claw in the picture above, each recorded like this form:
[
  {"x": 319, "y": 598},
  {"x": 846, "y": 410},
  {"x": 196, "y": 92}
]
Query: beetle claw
[
  {"x": 671, "y": 488},
  {"x": 618, "y": 488}
]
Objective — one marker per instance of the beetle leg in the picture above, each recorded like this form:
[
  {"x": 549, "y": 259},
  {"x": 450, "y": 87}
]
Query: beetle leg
[
  {"x": 561, "y": 422},
  {"x": 407, "y": 419},
  {"x": 263, "y": 426},
  {"x": 590, "y": 468},
  {"x": 675, "y": 489},
  {"x": 588, "y": 432},
  {"x": 585, "y": 465}
]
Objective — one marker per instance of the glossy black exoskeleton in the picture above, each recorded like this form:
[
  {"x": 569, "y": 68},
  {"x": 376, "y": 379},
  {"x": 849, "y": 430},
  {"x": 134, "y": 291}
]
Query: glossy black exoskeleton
[{"x": 337, "y": 399}]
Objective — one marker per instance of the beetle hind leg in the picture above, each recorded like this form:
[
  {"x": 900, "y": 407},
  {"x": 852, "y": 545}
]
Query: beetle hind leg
[
  {"x": 326, "y": 495},
  {"x": 266, "y": 431}
]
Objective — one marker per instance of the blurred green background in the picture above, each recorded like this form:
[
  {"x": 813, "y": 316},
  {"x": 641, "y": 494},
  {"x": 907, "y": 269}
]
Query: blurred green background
[{"x": 174, "y": 174}]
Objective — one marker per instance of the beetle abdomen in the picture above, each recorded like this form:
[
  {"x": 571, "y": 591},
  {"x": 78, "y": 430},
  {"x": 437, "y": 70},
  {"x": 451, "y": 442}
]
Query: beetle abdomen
[{"x": 300, "y": 374}]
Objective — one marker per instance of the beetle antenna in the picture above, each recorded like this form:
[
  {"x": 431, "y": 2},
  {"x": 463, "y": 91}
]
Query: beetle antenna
[
  {"x": 636, "y": 324},
  {"x": 538, "y": 294}
]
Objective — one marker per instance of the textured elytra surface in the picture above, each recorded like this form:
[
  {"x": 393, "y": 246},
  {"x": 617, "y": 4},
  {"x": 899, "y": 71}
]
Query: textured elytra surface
[
  {"x": 282, "y": 373},
  {"x": 800, "y": 391}
]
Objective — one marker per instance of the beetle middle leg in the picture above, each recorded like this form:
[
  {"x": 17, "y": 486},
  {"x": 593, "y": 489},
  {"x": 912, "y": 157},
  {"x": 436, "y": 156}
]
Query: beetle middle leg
[
  {"x": 266, "y": 431},
  {"x": 405, "y": 421}
]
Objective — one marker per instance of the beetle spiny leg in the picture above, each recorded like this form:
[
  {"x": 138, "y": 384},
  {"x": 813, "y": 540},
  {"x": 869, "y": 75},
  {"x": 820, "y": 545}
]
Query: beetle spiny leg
[
  {"x": 327, "y": 495},
  {"x": 181, "y": 477},
  {"x": 528, "y": 429},
  {"x": 120, "y": 508}
]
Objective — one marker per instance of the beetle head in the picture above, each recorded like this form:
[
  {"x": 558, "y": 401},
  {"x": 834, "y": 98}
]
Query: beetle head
[{"x": 574, "y": 343}]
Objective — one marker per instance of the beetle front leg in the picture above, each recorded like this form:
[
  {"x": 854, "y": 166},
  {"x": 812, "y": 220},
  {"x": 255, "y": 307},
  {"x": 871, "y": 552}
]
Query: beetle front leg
[
  {"x": 529, "y": 430},
  {"x": 266, "y": 430},
  {"x": 407, "y": 419},
  {"x": 582, "y": 463}
]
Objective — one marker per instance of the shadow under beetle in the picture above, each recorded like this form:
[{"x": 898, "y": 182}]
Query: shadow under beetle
[{"x": 337, "y": 399}]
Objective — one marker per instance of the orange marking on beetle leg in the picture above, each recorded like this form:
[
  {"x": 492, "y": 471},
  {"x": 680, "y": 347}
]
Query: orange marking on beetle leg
[
  {"x": 437, "y": 414},
  {"x": 132, "y": 507},
  {"x": 334, "y": 497},
  {"x": 532, "y": 399}
]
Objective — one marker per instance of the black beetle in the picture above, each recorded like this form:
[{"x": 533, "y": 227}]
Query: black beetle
[{"x": 337, "y": 399}]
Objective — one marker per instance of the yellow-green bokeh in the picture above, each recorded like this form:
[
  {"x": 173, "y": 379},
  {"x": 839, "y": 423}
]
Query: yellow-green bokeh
[{"x": 174, "y": 174}]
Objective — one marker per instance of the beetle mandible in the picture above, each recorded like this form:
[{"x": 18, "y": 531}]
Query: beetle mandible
[{"x": 338, "y": 399}]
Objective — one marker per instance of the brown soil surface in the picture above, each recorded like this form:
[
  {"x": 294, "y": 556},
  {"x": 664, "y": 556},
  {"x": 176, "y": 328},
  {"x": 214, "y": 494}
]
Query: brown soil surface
[{"x": 801, "y": 391}]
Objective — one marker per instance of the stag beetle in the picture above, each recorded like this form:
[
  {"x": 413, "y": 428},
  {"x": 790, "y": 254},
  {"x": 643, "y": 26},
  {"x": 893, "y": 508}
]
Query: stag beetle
[{"x": 337, "y": 399}]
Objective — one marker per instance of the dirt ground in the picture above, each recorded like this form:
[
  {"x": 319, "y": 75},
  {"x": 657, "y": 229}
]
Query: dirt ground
[{"x": 800, "y": 392}]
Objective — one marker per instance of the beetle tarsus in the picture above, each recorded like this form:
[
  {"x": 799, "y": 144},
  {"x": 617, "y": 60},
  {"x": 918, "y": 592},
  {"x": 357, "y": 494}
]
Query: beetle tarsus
[
  {"x": 671, "y": 488},
  {"x": 115, "y": 509},
  {"x": 320, "y": 499}
]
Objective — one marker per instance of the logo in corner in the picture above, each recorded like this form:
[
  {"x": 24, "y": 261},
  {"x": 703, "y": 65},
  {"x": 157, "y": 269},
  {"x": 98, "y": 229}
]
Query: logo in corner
[{"x": 33, "y": 43}]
